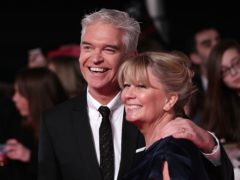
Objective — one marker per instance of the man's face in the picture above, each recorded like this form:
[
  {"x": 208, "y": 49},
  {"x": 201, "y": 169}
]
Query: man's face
[
  {"x": 205, "y": 42},
  {"x": 102, "y": 52}
]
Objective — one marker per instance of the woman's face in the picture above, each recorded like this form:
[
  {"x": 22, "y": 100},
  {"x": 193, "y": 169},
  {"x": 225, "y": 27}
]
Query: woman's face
[
  {"x": 144, "y": 104},
  {"x": 21, "y": 102},
  {"x": 230, "y": 66}
]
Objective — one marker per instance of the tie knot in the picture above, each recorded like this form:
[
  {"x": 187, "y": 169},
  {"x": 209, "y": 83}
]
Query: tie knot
[{"x": 104, "y": 111}]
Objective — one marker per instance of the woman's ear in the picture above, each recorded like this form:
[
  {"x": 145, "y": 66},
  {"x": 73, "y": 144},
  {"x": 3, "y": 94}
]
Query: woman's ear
[{"x": 170, "y": 101}]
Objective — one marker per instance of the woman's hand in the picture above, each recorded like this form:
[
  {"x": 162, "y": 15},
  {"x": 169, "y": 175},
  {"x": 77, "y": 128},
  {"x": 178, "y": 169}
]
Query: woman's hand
[{"x": 17, "y": 151}]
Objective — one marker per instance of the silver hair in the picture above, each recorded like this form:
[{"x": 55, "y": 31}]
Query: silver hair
[{"x": 121, "y": 20}]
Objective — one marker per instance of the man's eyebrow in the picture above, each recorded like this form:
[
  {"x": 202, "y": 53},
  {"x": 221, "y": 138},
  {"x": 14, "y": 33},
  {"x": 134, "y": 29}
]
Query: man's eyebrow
[
  {"x": 86, "y": 43},
  {"x": 112, "y": 46},
  {"x": 116, "y": 47}
]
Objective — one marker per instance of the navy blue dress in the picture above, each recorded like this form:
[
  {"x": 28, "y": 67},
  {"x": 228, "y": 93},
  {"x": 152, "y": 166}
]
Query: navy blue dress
[{"x": 185, "y": 161}]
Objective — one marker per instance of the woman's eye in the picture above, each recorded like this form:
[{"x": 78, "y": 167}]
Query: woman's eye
[
  {"x": 126, "y": 85},
  {"x": 141, "y": 86}
]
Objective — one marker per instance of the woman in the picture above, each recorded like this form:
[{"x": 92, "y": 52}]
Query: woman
[
  {"x": 67, "y": 70},
  {"x": 36, "y": 90},
  {"x": 155, "y": 88},
  {"x": 222, "y": 107}
]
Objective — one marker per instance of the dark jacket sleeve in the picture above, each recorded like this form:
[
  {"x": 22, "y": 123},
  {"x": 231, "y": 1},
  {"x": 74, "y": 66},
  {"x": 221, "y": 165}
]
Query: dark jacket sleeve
[
  {"x": 223, "y": 171},
  {"x": 48, "y": 168}
]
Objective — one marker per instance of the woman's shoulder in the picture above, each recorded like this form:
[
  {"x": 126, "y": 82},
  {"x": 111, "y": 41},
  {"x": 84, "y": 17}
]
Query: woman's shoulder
[
  {"x": 171, "y": 147},
  {"x": 183, "y": 157}
]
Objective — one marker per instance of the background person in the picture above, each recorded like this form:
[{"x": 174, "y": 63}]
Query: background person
[
  {"x": 64, "y": 62},
  {"x": 203, "y": 41},
  {"x": 222, "y": 106},
  {"x": 36, "y": 90}
]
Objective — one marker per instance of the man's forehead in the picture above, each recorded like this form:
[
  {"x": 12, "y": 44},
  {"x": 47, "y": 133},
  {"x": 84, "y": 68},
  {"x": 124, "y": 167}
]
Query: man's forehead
[{"x": 206, "y": 35}]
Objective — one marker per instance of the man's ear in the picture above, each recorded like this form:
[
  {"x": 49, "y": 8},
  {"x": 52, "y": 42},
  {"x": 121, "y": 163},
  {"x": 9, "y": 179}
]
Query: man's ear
[
  {"x": 170, "y": 101},
  {"x": 195, "y": 58}
]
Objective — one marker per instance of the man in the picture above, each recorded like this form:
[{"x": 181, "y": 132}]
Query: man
[
  {"x": 69, "y": 138},
  {"x": 204, "y": 40}
]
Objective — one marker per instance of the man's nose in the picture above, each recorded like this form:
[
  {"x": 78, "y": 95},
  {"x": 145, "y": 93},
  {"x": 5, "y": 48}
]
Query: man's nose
[{"x": 97, "y": 57}]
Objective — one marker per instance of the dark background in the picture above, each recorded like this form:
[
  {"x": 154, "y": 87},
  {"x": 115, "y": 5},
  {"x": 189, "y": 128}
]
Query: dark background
[{"x": 25, "y": 25}]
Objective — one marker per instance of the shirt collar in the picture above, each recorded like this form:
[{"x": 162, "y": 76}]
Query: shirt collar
[{"x": 112, "y": 105}]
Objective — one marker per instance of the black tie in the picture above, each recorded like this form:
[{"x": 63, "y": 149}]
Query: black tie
[{"x": 106, "y": 145}]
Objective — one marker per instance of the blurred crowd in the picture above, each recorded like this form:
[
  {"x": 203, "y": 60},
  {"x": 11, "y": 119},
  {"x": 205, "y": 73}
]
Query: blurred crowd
[
  {"x": 54, "y": 76},
  {"x": 47, "y": 80}
]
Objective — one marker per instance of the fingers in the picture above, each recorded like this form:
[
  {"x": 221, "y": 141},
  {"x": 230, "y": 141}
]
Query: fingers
[
  {"x": 14, "y": 149},
  {"x": 182, "y": 128},
  {"x": 11, "y": 141},
  {"x": 186, "y": 129},
  {"x": 178, "y": 126},
  {"x": 184, "y": 135},
  {"x": 11, "y": 145},
  {"x": 17, "y": 151}
]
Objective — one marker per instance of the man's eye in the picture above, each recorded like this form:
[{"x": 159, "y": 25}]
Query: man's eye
[
  {"x": 109, "y": 50},
  {"x": 207, "y": 44},
  {"x": 86, "y": 47}
]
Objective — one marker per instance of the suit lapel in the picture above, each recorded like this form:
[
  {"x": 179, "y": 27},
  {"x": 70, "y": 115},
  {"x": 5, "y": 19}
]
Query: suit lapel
[{"x": 82, "y": 131}]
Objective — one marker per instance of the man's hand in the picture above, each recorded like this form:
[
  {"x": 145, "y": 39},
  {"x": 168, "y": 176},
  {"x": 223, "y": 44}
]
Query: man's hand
[{"x": 186, "y": 129}]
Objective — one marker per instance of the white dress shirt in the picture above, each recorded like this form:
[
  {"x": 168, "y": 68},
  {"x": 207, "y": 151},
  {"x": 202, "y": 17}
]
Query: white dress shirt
[{"x": 116, "y": 120}]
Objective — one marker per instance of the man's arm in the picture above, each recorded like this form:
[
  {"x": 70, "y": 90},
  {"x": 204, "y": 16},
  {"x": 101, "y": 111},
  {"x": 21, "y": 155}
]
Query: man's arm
[
  {"x": 47, "y": 164},
  {"x": 223, "y": 171},
  {"x": 184, "y": 128}
]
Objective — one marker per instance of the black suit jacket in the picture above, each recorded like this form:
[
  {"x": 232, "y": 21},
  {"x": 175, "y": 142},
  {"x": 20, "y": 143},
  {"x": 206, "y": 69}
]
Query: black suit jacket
[{"x": 66, "y": 149}]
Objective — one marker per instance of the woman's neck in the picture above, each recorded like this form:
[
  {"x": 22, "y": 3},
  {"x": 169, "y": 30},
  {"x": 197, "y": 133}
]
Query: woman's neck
[{"x": 152, "y": 133}]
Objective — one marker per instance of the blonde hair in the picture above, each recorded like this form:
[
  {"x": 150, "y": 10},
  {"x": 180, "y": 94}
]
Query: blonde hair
[{"x": 172, "y": 69}]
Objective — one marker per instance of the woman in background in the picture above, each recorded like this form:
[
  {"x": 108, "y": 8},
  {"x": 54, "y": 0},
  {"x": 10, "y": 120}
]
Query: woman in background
[
  {"x": 64, "y": 62},
  {"x": 222, "y": 106},
  {"x": 36, "y": 90}
]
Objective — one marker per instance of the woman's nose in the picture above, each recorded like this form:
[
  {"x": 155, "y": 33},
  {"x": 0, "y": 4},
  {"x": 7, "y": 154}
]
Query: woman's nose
[
  {"x": 14, "y": 97},
  {"x": 130, "y": 92}
]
